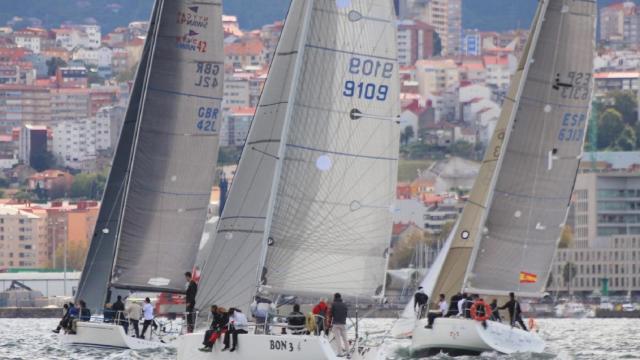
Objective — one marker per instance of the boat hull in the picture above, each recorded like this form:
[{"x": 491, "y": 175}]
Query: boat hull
[
  {"x": 267, "y": 347},
  {"x": 103, "y": 335},
  {"x": 457, "y": 336}
]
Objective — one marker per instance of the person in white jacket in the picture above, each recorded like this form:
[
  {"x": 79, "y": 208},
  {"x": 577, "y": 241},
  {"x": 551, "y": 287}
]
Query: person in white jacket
[{"x": 238, "y": 324}]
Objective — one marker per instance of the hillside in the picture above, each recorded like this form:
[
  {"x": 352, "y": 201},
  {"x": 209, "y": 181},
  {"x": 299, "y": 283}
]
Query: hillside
[{"x": 481, "y": 14}]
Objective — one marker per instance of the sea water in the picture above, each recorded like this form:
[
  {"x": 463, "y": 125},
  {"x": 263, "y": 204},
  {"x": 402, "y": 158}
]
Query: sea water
[{"x": 589, "y": 339}]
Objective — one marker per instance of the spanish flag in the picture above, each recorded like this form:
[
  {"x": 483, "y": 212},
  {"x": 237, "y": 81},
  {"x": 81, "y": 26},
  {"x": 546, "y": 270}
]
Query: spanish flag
[{"x": 528, "y": 278}]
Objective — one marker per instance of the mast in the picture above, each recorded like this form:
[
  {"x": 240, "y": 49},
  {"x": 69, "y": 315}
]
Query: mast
[{"x": 282, "y": 147}]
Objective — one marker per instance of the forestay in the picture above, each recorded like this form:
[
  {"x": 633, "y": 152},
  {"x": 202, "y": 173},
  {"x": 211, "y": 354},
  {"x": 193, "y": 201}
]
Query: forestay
[
  {"x": 175, "y": 149},
  {"x": 332, "y": 218},
  {"x": 535, "y": 180},
  {"x": 325, "y": 139}
]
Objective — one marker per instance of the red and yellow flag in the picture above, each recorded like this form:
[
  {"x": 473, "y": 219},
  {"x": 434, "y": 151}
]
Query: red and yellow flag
[{"x": 528, "y": 278}]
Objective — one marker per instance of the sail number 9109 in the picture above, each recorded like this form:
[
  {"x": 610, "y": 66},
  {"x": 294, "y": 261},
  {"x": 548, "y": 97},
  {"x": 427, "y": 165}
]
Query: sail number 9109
[{"x": 368, "y": 68}]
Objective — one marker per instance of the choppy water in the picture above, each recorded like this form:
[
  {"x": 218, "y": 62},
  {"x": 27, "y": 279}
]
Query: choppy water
[{"x": 589, "y": 339}]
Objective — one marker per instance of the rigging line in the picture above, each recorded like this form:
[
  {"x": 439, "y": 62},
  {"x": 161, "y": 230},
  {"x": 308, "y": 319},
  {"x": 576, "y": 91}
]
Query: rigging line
[
  {"x": 373, "y": 56},
  {"x": 179, "y": 93},
  {"x": 265, "y": 153}
]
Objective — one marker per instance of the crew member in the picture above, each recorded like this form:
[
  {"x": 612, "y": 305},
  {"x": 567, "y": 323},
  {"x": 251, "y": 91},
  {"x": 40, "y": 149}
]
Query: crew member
[
  {"x": 237, "y": 325},
  {"x": 443, "y": 308},
  {"x": 515, "y": 313},
  {"x": 192, "y": 290},
  {"x": 147, "y": 311},
  {"x": 420, "y": 300}
]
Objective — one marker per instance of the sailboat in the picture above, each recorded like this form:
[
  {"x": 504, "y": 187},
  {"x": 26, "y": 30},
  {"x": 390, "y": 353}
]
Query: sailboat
[
  {"x": 508, "y": 233},
  {"x": 155, "y": 203},
  {"x": 309, "y": 211}
]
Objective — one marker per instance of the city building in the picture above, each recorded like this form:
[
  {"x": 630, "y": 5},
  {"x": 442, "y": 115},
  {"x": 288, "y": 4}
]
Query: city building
[
  {"x": 73, "y": 36},
  {"x": 446, "y": 17},
  {"x": 614, "y": 265},
  {"x": 33, "y": 142},
  {"x": 23, "y": 239},
  {"x": 74, "y": 143},
  {"x": 245, "y": 53},
  {"x": 605, "y": 204},
  {"x": 415, "y": 41},
  {"x": 72, "y": 77},
  {"x": 34, "y": 39},
  {"x": 109, "y": 120},
  {"x": 604, "y": 222},
  {"x": 608, "y": 82},
  {"x": 620, "y": 24},
  {"x": 53, "y": 183},
  {"x": 20, "y": 104},
  {"x": 235, "y": 126},
  {"x": 436, "y": 76}
]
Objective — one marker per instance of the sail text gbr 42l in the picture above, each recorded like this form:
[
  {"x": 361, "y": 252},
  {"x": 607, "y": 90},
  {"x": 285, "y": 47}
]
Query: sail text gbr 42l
[{"x": 157, "y": 196}]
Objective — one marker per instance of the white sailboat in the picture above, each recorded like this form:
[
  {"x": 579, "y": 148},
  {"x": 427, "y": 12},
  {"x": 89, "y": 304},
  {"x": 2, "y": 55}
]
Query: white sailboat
[
  {"x": 507, "y": 235},
  {"x": 157, "y": 195},
  {"x": 309, "y": 210}
]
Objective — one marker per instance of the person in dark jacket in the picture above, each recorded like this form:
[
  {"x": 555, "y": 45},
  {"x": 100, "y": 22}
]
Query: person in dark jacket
[
  {"x": 117, "y": 310},
  {"x": 339, "y": 314},
  {"x": 85, "y": 313},
  {"x": 192, "y": 290},
  {"x": 218, "y": 323},
  {"x": 296, "y": 321},
  {"x": 63, "y": 321},
  {"x": 453, "y": 305},
  {"x": 420, "y": 300},
  {"x": 515, "y": 313},
  {"x": 495, "y": 313}
]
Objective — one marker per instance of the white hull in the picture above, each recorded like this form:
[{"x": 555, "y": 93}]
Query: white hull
[
  {"x": 268, "y": 347},
  {"x": 457, "y": 336},
  {"x": 96, "y": 334}
]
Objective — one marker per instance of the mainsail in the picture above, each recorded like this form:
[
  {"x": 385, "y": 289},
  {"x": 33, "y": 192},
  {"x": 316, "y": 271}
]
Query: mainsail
[
  {"x": 156, "y": 200},
  {"x": 309, "y": 211},
  {"x": 518, "y": 206}
]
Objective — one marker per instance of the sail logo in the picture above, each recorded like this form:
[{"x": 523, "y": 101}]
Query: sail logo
[
  {"x": 191, "y": 18},
  {"x": 190, "y": 42}
]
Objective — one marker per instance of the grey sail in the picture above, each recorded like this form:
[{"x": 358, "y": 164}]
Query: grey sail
[
  {"x": 229, "y": 275},
  {"x": 332, "y": 215},
  {"x": 173, "y": 163},
  {"x": 531, "y": 197},
  {"x": 152, "y": 215},
  {"x": 309, "y": 208},
  {"x": 96, "y": 273}
]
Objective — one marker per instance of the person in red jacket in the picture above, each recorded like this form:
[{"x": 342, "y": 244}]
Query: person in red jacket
[{"x": 320, "y": 313}]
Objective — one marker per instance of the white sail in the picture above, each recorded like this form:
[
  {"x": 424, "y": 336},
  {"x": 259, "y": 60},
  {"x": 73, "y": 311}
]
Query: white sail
[
  {"x": 229, "y": 276},
  {"x": 331, "y": 223},
  {"x": 166, "y": 158},
  {"x": 532, "y": 193},
  {"x": 312, "y": 195}
]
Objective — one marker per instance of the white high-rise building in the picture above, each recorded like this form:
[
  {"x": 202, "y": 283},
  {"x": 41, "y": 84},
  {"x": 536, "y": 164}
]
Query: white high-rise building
[{"x": 74, "y": 142}]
